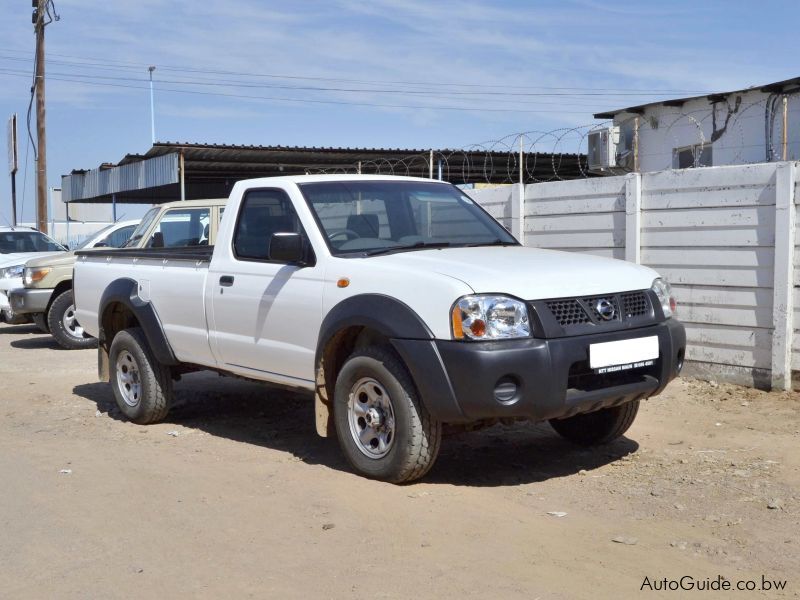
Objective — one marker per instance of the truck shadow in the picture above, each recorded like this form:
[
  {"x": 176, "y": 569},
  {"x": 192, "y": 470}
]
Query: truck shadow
[{"x": 254, "y": 413}]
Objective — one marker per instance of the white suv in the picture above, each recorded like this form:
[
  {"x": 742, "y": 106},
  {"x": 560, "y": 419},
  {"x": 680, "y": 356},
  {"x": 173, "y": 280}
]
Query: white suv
[{"x": 17, "y": 246}]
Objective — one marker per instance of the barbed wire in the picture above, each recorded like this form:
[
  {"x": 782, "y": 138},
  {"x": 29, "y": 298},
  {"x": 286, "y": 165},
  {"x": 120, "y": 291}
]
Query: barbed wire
[{"x": 728, "y": 132}]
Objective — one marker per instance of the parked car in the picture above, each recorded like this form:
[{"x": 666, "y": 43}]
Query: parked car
[
  {"x": 47, "y": 282},
  {"x": 400, "y": 303},
  {"x": 17, "y": 245}
]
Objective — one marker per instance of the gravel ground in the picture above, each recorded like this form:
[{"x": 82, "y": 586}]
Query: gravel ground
[{"x": 235, "y": 496}]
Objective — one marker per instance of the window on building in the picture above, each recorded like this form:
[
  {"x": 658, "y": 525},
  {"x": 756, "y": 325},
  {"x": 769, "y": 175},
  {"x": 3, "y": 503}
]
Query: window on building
[{"x": 698, "y": 155}]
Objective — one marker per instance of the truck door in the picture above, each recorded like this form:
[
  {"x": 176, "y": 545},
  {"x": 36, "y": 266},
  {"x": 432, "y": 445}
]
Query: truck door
[{"x": 265, "y": 315}]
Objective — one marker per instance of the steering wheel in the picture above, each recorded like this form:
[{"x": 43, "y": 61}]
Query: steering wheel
[{"x": 349, "y": 233}]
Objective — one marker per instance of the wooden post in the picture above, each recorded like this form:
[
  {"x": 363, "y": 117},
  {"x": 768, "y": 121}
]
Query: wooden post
[
  {"x": 633, "y": 217},
  {"x": 783, "y": 281},
  {"x": 41, "y": 156}
]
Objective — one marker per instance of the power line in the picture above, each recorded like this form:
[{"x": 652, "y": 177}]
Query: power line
[
  {"x": 229, "y": 83},
  {"x": 97, "y": 62},
  {"x": 305, "y": 100}
]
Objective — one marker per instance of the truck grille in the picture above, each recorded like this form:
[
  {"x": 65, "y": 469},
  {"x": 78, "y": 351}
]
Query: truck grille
[
  {"x": 568, "y": 312},
  {"x": 635, "y": 304},
  {"x": 581, "y": 311}
]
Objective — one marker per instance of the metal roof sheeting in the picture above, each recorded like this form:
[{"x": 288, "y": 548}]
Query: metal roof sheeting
[{"x": 104, "y": 181}]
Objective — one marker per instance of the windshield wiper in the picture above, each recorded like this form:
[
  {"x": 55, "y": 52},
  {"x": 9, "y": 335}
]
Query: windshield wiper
[
  {"x": 415, "y": 246},
  {"x": 495, "y": 242}
]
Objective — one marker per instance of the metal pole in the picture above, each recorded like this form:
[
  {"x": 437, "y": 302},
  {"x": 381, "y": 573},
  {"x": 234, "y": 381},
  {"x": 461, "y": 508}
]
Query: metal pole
[
  {"x": 440, "y": 169},
  {"x": 14, "y": 199},
  {"x": 636, "y": 144},
  {"x": 152, "y": 68},
  {"x": 521, "y": 163},
  {"x": 430, "y": 166},
  {"x": 114, "y": 207},
  {"x": 41, "y": 162},
  {"x": 785, "y": 136},
  {"x": 183, "y": 179}
]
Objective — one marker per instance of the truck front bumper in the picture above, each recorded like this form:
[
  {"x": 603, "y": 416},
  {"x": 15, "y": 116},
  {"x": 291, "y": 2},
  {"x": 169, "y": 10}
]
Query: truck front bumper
[
  {"x": 538, "y": 379},
  {"x": 29, "y": 300}
]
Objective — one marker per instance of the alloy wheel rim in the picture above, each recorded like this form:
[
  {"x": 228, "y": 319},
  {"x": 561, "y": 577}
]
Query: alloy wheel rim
[{"x": 71, "y": 324}]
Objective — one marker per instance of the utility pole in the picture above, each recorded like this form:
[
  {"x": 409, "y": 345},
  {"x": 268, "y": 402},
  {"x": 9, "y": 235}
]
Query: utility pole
[
  {"x": 152, "y": 68},
  {"x": 41, "y": 161}
]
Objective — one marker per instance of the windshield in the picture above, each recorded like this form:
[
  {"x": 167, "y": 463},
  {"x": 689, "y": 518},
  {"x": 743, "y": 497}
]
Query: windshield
[
  {"x": 93, "y": 238},
  {"x": 142, "y": 228},
  {"x": 379, "y": 217},
  {"x": 27, "y": 241}
]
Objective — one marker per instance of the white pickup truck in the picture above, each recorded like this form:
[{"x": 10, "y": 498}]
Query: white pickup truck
[{"x": 400, "y": 303}]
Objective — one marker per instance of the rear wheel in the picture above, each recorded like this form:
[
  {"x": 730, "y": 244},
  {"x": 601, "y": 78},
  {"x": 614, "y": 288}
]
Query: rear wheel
[
  {"x": 383, "y": 427},
  {"x": 142, "y": 385},
  {"x": 599, "y": 427},
  {"x": 64, "y": 327}
]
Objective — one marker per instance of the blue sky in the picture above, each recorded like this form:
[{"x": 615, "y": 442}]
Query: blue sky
[{"x": 447, "y": 74}]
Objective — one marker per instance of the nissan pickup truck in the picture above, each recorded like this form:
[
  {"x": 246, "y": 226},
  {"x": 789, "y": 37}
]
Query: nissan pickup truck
[
  {"x": 45, "y": 290},
  {"x": 399, "y": 303}
]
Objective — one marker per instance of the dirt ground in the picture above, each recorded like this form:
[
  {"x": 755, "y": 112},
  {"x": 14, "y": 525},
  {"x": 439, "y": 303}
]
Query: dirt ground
[{"x": 235, "y": 496}]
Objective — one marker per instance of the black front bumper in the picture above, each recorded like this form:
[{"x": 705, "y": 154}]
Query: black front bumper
[{"x": 457, "y": 380}]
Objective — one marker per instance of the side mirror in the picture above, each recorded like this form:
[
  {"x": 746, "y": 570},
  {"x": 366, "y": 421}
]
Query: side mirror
[
  {"x": 286, "y": 247},
  {"x": 157, "y": 240},
  {"x": 101, "y": 245}
]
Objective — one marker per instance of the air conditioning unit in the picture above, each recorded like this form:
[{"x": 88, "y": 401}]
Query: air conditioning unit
[{"x": 602, "y": 153}]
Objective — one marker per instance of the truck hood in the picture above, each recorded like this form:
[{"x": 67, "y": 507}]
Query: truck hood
[
  {"x": 52, "y": 260},
  {"x": 20, "y": 258},
  {"x": 527, "y": 273}
]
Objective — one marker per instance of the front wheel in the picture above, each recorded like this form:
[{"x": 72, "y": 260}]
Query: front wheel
[
  {"x": 64, "y": 327},
  {"x": 142, "y": 385},
  {"x": 599, "y": 427},
  {"x": 383, "y": 427}
]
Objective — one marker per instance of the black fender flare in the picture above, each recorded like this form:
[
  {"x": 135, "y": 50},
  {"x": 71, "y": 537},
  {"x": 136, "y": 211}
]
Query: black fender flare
[
  {"x": 411, "y": 338},
  {"x": 125, "y": 291},
  {"x": 384, "y": 314}
]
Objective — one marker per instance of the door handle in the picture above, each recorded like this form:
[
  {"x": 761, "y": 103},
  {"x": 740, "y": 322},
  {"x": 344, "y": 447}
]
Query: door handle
[{"x": 226, "y": 280}]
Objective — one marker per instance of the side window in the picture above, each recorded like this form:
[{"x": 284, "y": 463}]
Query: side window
[
  {"x": 116, "y": 239},
  {"x": 181, "y": 227},
  {"x": 263, "y": 213}
]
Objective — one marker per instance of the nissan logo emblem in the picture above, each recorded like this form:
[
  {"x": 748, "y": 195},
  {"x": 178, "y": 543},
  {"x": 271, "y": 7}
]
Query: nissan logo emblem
[{"x": 605, "y": 309}]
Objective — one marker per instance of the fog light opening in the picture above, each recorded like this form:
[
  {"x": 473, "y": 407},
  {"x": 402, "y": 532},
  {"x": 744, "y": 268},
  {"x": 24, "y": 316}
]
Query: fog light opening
[
  {"x": 506, "y": 390},
  {"x": 679, "y": 362}
]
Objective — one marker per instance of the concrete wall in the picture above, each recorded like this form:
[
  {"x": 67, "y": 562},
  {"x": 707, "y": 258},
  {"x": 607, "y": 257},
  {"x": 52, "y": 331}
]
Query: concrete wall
[{"x": 723, "y": 236}]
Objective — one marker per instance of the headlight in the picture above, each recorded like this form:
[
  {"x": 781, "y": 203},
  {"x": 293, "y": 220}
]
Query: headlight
[
  {"x": 35, "y": 275},
  {"x": 490, "y": 318},
  {"x": 664, "y": 292},
  {"x": 10, "y": 272}
]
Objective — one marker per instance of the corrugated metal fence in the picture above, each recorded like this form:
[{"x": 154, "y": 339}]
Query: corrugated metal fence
[{"x": 725, "y": 238}]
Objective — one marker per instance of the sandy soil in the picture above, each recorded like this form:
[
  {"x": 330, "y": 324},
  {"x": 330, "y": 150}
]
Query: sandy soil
[{"x": 236, "y": 496}]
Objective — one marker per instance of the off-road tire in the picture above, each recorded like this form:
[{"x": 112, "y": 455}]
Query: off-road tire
[
  {"x": 155, "y": 395},
  {"x": 599, "y": 427},
  {"x": 55, "y": 320},
  {"x": 40, "y": 321},
  {"x": 417, "y": 436}
]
